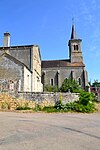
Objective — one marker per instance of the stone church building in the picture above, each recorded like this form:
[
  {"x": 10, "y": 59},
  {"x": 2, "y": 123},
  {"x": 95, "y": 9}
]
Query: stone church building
[
  {"x": 54, "y": 72},
  {"x": 22, "y": 70},
  {"x": 20, "y": 67}
]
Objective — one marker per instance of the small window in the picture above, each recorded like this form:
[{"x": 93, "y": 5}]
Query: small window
[
  {"x": 75, "y": 47},
  {"x": 79, "y": 81},
  {"x": 51, "y": 82}
]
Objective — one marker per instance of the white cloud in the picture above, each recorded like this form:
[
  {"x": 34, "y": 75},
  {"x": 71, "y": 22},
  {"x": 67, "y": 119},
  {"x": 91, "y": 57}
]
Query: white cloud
[
  {"x": 90, "y": 18},
  {"x": 86, "y": 11},
  {"x": 94, "y": 4}
]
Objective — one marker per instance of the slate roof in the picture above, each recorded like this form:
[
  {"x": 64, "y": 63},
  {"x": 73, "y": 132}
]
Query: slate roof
[
  {"x": 19, "y": 47},
  {"x": 73, "y": 33},
  {"x": 60, "y": 63}
]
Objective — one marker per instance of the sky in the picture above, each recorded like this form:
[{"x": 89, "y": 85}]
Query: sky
[{"x": 48, "y": 23}]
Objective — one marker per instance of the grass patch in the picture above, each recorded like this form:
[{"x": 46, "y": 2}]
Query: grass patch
[
  {"x": 50, "y": 109},
  {"x": 23, "y": 108}
]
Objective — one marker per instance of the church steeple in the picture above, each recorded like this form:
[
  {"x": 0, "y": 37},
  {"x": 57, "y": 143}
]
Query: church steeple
[
  {"x": 75, "y": 52},
  {"x": 73, "y": 33}
]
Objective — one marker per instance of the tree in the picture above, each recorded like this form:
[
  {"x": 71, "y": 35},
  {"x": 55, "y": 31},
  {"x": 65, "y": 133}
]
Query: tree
[
  {"x": 71, "y": 85},
  {"x": 96, "y": 83}
]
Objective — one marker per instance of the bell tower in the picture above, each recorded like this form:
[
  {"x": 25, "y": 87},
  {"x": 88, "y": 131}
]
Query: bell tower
[{"x": 75, "y": 51}]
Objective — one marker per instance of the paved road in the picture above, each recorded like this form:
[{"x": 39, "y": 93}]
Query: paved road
[{"x": 41, "y": 131}]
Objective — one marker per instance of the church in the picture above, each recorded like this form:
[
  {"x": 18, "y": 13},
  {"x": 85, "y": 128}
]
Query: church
[
  {"x": 22, "y": 70},
  {"x": 54, "y": 72}
]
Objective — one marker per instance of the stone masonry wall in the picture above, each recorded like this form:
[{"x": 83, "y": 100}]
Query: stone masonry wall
[
  {"x": 33, "y": 99},
  {"x": 51, "y": 97},
  {"x": 64, "y": 72}
]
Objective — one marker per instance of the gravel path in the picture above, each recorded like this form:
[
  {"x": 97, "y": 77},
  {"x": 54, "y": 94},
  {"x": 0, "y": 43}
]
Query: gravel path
[{"x": 43, "y": 131}]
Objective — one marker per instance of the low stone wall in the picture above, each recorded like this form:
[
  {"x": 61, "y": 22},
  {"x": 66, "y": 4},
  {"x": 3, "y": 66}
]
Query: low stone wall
[
  {"x": 31, "y": 100},
  {"x": 51, "y": 97},
  {"x": 8, "y": 102}
]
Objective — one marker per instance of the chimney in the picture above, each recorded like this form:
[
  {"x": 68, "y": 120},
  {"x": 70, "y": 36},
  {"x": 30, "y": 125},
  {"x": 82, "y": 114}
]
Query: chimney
[{"x": 6, "y": 39}]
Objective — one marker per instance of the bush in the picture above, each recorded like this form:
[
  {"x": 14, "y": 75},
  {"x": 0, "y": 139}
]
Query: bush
[
  {"x": 71, "y": 106},
  {"x": 85, "y": 104},
  {"x": 84, "y": 109},
  {"x": 64, "y": 108},
  {"x": 86, "y": 98},
  {"x": 71, "y": 85},
  {"x": 50, "y": 109},
  {"x": 23, "y": 108},
  {"x": 59, "y": 105},
  {"x": 50, "y": 88}
]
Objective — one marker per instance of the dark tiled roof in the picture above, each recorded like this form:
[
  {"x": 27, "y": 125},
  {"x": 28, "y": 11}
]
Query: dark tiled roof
[{"x": 60, "y": 63}]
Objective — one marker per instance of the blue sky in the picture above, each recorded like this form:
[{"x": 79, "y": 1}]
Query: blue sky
[{"x": 48, "y": 24}]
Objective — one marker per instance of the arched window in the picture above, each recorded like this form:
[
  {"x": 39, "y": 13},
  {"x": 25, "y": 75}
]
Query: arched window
[
  {"x": 52, "y": 82},
  {"x": 79, "y": 81},
  {"x": 75, "y": 47}
]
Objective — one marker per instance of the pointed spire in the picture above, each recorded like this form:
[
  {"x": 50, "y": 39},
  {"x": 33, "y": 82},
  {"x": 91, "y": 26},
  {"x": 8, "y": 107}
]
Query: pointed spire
[{"x": 73, "y": 33}]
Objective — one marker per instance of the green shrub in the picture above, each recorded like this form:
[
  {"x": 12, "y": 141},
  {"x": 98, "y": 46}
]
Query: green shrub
[
  {"x": 64, "y": 108},
  {"x": 58, "y": 105},
  {"x": 71, "y": 85},
  {"x": 50, "y": 88},
  {"x": 86, "y": 98},
  {"x": 50, "y": 109},
  {"x": 70, "y": 106},
  {"x": 38, "y": 108},
  {"x": 85, "y": 103},
  {"x": 84, "y": 109},
  {"x": 23, "y": 108}
]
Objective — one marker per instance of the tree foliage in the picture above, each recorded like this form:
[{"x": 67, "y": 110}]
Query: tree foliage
[
  {"x": 96, "y": 83},
  {"x": 71, "y": 85}
]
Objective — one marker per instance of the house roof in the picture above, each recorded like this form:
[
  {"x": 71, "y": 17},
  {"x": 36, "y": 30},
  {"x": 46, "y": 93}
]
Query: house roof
[
  {"x": 60, "y": 63},
  {"x": 20, "y": 46},
  {"x": 17, "y": 46},
  {"x": 14, "y": 60}
]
